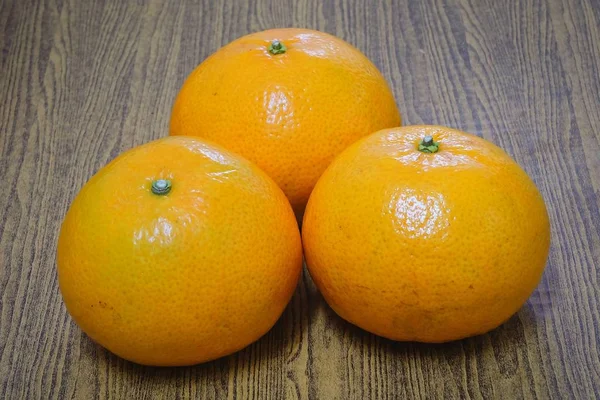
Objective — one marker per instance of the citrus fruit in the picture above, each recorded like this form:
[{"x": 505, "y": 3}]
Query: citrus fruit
[
  {"x": 289, "y": 100},
  {"x": 425, "y": 233},
  {"x": 178, "y": 252}
]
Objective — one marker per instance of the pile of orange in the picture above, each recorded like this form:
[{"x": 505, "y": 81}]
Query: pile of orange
[{"x": 187, "y": 248}]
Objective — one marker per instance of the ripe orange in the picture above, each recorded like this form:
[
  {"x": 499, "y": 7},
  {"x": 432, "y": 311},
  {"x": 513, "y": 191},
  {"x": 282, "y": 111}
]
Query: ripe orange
[
  {"x": 289, "y": 100},
  {"x": 178, "y": 252},
  {"x": 429, "y": 247}
]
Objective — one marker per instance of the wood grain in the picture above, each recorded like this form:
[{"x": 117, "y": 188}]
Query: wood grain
[{"x": 83, "y": 80}]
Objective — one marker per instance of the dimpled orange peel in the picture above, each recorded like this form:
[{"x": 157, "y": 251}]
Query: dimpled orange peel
[
  {"x": 425, "y": 233},
  {"x": 178, "y": 252},
  {"x": 289, "y": 100}
]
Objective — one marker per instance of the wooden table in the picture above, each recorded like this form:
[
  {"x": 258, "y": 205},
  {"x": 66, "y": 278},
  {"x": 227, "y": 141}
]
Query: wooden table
[{"x": 82, "y": 81}]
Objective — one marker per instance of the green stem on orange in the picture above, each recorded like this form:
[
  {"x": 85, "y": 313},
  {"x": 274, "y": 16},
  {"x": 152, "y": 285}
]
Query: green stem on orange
[
  {"x": 161, "y": 186},
  {"x": 427, "y": 145},
  {"x": 276, "y": 47}
]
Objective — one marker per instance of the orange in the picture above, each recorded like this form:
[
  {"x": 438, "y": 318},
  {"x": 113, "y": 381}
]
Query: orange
[
  {"x": 289, "y": 100},
  {"x": 425, "y": 233},
  {"x": 178, "y": 252}
]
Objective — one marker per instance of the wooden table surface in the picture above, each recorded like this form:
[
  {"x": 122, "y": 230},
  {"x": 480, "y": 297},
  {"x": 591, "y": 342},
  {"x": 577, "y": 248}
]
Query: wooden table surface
[{"x": 82, "y": 81}]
